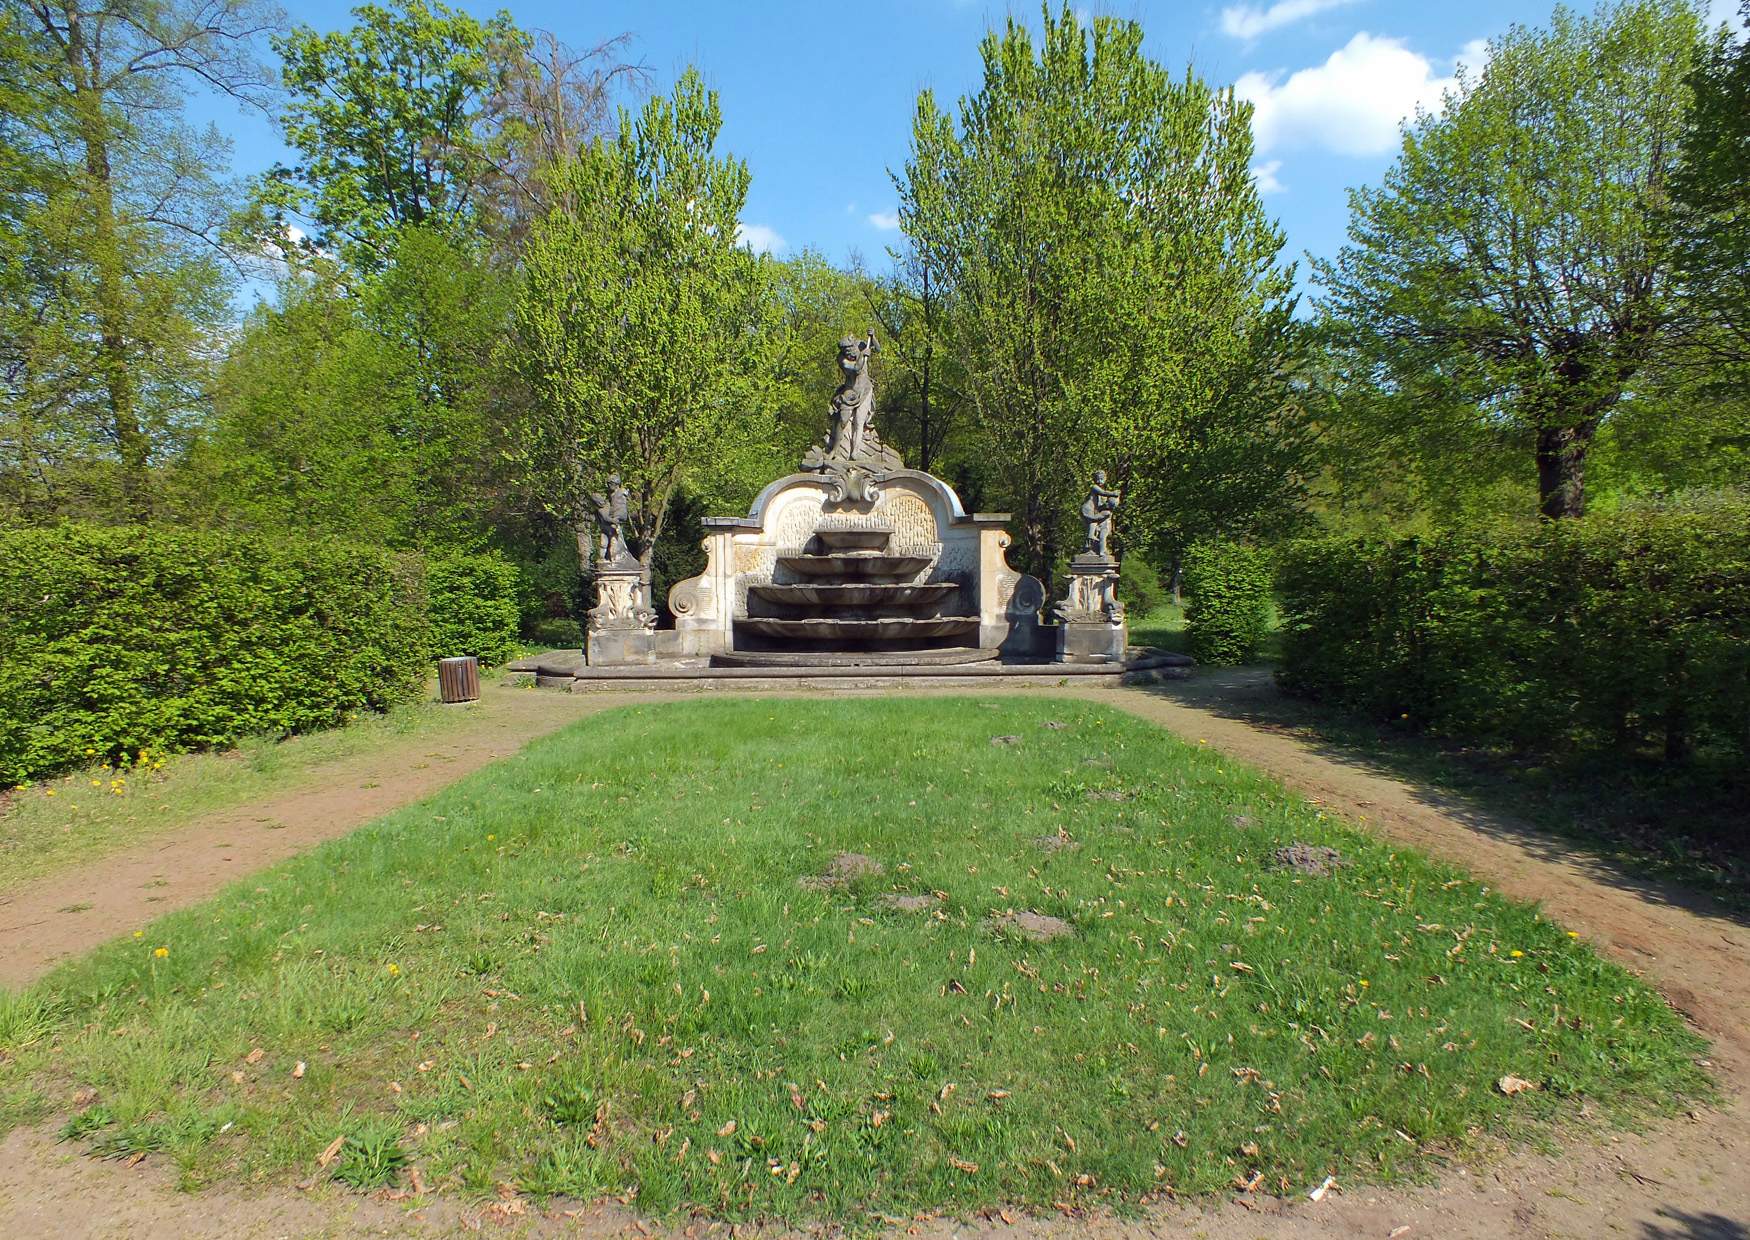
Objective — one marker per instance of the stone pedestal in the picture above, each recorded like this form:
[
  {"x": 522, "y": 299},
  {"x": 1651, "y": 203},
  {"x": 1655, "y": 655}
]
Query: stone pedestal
[
  {"x": 622, "y": 624},
  {"x": 1091, "y": 626}
]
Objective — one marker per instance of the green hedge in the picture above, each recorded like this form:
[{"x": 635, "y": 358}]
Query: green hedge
[
  {"x": 474, "y": 606},
  {"x": 1227, "y": 601},
  {"x": 117, "y": 639},
  {"x": 1627, "y": 630}
]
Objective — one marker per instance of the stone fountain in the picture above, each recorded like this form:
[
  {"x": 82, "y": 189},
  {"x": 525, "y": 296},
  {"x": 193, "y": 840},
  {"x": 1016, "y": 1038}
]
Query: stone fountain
[{"x": 853, "y": 566}]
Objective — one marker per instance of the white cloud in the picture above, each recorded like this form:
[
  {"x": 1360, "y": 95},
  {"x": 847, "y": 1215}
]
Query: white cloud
[
  {"x": 1354, "y": 102},
  {"x": 760, "y": 238},
  {"x": 1248, "y": 21},
  {"x": 886, "y": 221},
  {"x": 1265, "y": 175}
]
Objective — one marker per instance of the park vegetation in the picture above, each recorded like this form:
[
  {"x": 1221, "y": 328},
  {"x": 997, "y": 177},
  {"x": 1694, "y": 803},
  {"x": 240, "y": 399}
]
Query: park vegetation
[
  {"x": 1539, "y": 314},
  {"x": 658, "y": 959}
]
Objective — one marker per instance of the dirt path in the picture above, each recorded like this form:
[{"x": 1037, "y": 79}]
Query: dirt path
[
  {"x": 44, "y": 920},
  {"x": 1688, "y": 1179}
]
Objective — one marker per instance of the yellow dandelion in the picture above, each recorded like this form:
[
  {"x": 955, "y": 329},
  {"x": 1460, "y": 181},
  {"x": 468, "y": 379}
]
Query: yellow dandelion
[
  {"x": 48, "y": 792},
  {"x": 1365, "y": 982},
  {"x": 139, "y": 934},
  {"x": 97, "y": 783},
  {"x": 1515, "y": 953},
  {"x": 490, "y": 838},
  {"x": 90, "y": 752},
  {"x": 394, "y": 970},
  {"x": 1573, "y": 934},
  {"x": 161, "y": 952}
]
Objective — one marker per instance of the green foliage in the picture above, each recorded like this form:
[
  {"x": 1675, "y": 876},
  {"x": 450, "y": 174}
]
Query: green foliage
[
  {"x": 110, "y": 292},
  {"x": 368, "y": 409},
  {"x": 1121, "y": 308},
  {"x": 123, "y": 639},
  {"x": 473, "y": 606},
  {"x": 1711, "y": 194},
  {"x": 644, "y": 326},
  {"x": 1505, "y": 286},
  {"x": 1624, "y": 631},
  {"x": 669, "y": 1056},
  {"x": 1139, "y": 586},
  {"x": 388, "y": 118},
  {"x": 372, "y": 1154},
  {"x": 1227, "y": 600}
]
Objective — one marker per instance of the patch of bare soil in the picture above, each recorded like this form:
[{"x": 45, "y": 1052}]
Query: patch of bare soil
[
  {"x": 66, "y": 914},
  {"x": 908, "y": 903},
  {"x": 1680, "y": 1180},
  {"x": 845, "y": 869},
  {"x": 1034, "y": 927},
  {"x": 1314, "y": 859},
  {"x": 1055, "y": 843}
]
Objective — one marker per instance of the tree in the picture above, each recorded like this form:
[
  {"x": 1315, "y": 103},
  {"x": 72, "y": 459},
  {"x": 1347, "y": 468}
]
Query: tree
[
  {"x": 1108, "y": 281},
  {"x": 121, "y": 291},
  {"x": 386, "y": 118},
  {"x": 1711, "y": 192},
  {"x": 642, "y": 326},
  {"x": 1512, "y": 276},
  {"x": 423, "y": 116}
]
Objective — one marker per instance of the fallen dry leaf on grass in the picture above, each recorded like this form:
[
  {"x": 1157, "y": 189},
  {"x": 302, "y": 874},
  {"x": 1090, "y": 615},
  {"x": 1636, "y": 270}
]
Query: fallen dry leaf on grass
[
  {"x": 1511, "y": 1085},
  {"x": 332, "y": 1152},
  {"x": 1318, "y": 1194},
  {"x": 960, "y": 1164},
  {"x": 728, "y": 1130},
  {"x": 255, "y": 1056},
  {"x": 298, "y": 1072}
]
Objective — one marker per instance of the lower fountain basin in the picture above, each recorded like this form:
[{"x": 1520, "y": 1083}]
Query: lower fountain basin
[
  {"x": 859, "y": 594},
  {"x": 855, "y": 564},
  {"x": 853, "y": 632}
]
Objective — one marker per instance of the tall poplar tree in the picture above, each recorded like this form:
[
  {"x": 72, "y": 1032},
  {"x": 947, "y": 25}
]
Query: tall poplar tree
[
  {"x": 1110, "y": 290},
  {"x": 643, "y": 327}
]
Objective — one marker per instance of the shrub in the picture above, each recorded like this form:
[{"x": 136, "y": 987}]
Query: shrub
[
  {"x": 1623, "y": 630},
  {"x": 473, "y": 606},
  {"x": 556, "y": 633},
  {"x": 118, "y": 639},
  {"x": 1139, "y": 586},
  {"x": 1227, "y": 601}
]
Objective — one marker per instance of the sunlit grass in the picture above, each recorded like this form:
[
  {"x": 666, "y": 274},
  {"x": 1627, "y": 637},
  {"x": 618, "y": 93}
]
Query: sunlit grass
[
  {"x": 592, "y": 969},
  {"x": 56, "y": 824}
]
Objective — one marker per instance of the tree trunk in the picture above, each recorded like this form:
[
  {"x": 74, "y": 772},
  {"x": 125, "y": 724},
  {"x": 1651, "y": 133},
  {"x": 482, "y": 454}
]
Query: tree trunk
[
  {"x": 1561, "y": 470},
  {"x": 109, "y": 274}
]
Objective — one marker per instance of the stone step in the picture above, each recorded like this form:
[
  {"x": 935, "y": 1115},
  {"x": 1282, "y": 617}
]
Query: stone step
[{"x": 866, "y": 565}]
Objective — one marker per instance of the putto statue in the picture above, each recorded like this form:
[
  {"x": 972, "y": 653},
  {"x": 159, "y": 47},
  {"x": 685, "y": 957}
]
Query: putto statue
[
  {"x": 612, "y": 511},
  {"x": 851, "y": 440},
  {"x": 1097, "y": 512}
]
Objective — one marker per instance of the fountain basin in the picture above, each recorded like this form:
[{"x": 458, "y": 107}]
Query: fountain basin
[
  {"x": 834, "y": 629},
  {"x": 864, "y": 564},
  {"x": 855, "y": 594}
]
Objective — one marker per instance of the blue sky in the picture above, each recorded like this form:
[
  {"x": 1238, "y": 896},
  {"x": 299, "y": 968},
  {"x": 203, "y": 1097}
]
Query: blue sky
[{"x": 818, "y": 97}]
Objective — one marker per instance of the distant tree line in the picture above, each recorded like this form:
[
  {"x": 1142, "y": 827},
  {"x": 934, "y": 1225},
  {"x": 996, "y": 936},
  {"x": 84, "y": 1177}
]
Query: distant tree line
[{"x": 505, "y": 268}]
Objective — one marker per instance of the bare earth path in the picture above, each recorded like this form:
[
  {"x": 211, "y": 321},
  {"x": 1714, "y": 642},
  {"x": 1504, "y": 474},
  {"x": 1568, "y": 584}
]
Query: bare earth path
[
  {"x": 1689, "y": 1178},
  {"x": 45, "y": 920}
]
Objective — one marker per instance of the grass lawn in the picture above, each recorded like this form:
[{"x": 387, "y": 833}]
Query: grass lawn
[
  {"x": 603, "y": 966},
  {"x": 88, "y": 813}
]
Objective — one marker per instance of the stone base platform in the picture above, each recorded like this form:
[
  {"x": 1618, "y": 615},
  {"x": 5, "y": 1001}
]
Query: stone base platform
[
  {"x": 939, "y": 657},
  {"x": 565, "y": 669}
]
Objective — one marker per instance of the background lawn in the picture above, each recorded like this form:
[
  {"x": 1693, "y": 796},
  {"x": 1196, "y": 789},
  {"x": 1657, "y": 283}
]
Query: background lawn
[{"x": 596, "y": 967}]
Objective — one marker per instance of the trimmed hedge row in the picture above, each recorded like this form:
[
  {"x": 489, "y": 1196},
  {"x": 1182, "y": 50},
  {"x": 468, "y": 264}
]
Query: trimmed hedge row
[
  {"x": 474, "y": 606},
  {"x": 118, "y": 639},
  {"x": 1623, "y": 631},
  {"x": 1227, "y": 601}
]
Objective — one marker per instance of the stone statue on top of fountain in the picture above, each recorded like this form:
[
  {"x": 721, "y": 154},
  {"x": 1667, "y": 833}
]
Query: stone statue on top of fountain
[{"x": 852, "y": 451}]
